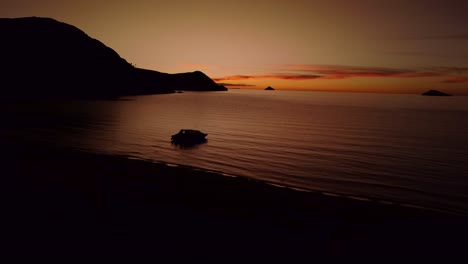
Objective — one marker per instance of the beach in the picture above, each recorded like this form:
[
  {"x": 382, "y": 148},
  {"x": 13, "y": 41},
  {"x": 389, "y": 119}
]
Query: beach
[{"x": 54, "y": 196}]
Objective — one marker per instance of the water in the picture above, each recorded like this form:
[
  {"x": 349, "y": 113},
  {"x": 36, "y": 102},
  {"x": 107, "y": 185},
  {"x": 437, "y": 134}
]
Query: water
[{"x": 406, "y": 149}]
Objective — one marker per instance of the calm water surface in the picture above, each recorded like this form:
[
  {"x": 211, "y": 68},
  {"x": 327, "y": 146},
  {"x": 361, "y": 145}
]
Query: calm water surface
[{"x": 407, "y": 149}]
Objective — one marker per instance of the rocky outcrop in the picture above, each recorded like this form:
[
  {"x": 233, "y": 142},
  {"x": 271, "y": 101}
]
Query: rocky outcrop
[
  {"x": 269, "y": 88},
  {"x": 41, "y": 58},
  {"x": 435, "y": 93}
]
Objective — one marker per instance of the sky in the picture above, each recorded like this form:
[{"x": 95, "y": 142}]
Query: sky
[{"x": 389, "y": 46}]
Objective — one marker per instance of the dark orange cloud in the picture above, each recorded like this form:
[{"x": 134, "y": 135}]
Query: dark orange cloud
[
  {"x": 269, "y": 76},
  {"x": 457, "y": 79},
  {"x": 450, "y": 70},
  {"x": 336, "y": 72},
  {"x": 343, "y": 72}
]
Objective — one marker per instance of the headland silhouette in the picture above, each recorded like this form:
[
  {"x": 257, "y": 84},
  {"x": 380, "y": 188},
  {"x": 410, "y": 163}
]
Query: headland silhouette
[{"x": 46, "y": 59}]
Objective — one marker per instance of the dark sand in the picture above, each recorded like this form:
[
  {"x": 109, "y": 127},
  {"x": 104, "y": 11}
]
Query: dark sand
[{"x": 56, "y": 201}]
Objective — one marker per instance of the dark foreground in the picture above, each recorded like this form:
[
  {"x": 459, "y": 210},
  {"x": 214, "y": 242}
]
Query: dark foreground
[{"x": 55, "y": 201}]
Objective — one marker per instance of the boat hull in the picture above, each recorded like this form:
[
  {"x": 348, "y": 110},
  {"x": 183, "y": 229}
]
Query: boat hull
[{"x": 189, "y": 139}]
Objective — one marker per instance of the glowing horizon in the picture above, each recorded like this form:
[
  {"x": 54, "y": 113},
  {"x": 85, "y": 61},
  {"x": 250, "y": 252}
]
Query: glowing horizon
[
  {"x": 368, "y": 46},
  {"x": 352, "y": 79}
]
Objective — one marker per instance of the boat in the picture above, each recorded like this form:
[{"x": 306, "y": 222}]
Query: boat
[{"x": 189, "y": 137}]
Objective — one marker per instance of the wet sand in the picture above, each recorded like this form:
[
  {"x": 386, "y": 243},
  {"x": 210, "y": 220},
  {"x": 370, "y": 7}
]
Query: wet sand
[{"x": 57, "y": 201}]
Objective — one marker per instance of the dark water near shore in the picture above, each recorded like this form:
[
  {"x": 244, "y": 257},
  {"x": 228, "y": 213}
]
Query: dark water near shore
[{"x": 399, "y": 148}]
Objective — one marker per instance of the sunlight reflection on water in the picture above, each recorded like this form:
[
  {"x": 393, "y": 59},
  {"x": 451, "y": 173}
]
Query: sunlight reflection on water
[{"x": 401, "y": 148}]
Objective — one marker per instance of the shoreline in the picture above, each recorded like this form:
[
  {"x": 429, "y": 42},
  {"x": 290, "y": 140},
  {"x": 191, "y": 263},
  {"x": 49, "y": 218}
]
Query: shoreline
[
  {"x": 63, "y": 195},
  {"x": 289, "y": 187}
]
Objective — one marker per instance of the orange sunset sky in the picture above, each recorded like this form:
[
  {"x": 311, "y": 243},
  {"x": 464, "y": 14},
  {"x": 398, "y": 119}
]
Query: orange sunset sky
[{"x": 335, "y": 45}]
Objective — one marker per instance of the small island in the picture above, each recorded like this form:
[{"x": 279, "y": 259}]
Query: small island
[
  {"x": 269, "y": 88},
  {"x": 435, "y": 93}
]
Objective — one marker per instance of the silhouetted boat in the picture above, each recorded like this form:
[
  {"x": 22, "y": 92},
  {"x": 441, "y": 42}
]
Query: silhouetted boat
[{"x": 188, "y": 137}]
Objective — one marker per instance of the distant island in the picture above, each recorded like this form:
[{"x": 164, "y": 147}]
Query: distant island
[
  {"x": 42, "y": 58},
  {"x": 435, "y": 93},
  {"x": 269, "y": 88}
]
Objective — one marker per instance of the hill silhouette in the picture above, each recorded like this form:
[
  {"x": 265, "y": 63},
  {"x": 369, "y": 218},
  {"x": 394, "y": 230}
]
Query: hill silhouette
[
  {"x": 269, "y": 88},
  {"x": 42, "y": 58}
]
